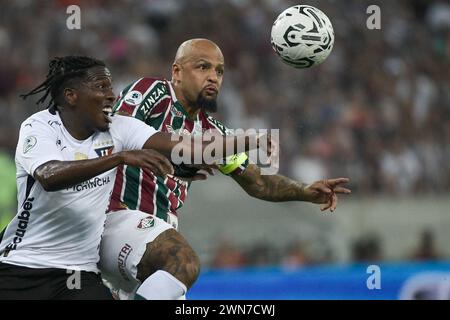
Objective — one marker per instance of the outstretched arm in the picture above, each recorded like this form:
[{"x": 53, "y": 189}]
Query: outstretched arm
[
  {"x": 278, "y": 188},
  {"x": 202, "y": 149}
]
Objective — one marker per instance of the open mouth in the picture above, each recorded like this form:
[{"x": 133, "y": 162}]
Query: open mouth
[{"x": 107, "y": 110}]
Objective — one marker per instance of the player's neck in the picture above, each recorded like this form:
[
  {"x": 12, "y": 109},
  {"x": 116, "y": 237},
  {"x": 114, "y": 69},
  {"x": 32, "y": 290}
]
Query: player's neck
[
  {"x": 191, "y": 109},
  {"x": 74, "y": 127}
]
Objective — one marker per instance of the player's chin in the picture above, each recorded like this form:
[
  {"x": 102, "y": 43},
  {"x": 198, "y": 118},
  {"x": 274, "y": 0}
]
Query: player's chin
[
  {"x": 103, "y": 128},
  {"x": 210, "y": 95},
  {"x": 102, "y": 125}
]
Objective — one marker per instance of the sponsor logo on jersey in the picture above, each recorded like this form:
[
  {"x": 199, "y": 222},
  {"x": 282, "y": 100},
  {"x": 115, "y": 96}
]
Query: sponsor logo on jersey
[
  {"x": 54, "y": 122},
  {"x": 89, "y": 184},
  {"x": 23, "y": 219},
  {"x": 155, "y": 94},
  {"x": 122, "y": 260},
  {"x": 59, "y": 144},
  {"x": 80, "y": 156},
  {"x": 133, "y": 98},
  {"x": 30, "y": 123},
  {"x": 29, "y": 143},
  {"x": 146, "y": 223}
]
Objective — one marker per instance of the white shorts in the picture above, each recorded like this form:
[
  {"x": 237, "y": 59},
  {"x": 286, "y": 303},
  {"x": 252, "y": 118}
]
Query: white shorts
[{"x": 124, "y": 241}]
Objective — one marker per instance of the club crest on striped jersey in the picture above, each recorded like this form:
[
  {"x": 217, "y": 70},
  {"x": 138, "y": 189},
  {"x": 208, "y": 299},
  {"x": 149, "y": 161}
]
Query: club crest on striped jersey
[
  {"x": 175, "y": 112},
  {"x": 133, "y": 98},
  {"x": 146, "y": 223}
]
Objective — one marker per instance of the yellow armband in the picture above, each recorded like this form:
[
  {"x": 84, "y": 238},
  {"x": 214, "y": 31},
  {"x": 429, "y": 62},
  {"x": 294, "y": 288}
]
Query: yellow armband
[{"x": 232, "y": 163}]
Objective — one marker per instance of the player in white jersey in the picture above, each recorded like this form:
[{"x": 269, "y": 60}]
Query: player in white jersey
[
  {"x": 62, "y": 195},
  {"x": 66, "y": 158}
]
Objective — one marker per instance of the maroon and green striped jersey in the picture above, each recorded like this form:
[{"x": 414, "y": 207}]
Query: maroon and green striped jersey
[{"x": 153, "y": 101}]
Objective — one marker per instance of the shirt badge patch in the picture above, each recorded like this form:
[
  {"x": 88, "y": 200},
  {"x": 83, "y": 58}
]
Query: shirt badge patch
[
  {"x": 146, "y": 223},
  {"x": 105, "y": 151},
  {"x": 104, "y": 148},
  {"x": 175, "y": 112},
  {"x": 29, "y": 143},
  {"x": 133, "y": 98}
]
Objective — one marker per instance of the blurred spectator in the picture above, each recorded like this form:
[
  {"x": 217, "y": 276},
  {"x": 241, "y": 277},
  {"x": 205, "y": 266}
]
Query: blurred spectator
[
  {"x": 227, "y": 255},
  {"x": 261, "y": 254},
  {"x": 426, "y": 248},
  {"x": 295, "y": 255},
  {"x": 367, "y": 249}
]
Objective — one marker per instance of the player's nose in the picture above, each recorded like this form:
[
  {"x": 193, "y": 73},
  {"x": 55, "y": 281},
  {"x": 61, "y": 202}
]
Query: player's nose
[
  {"x": 213, "y": 77},
  {"x": 109, "y": 96}
]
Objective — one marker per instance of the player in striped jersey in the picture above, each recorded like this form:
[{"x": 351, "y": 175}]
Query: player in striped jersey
[{"x": 159, "y": 263}]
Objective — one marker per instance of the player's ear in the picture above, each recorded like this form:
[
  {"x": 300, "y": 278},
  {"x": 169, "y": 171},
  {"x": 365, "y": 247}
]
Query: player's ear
[
  {"x": 70, "y": 96},
  {"x": 176, "y": 70}
]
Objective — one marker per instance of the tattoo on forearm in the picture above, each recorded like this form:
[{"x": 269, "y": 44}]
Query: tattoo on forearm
[
  {"x": 279, "y": 188},
  {"x": 275, "y": 188}
]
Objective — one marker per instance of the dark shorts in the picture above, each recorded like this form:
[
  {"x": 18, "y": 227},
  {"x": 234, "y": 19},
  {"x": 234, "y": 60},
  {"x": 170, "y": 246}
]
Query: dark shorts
[{"x": 50, "y": 284}]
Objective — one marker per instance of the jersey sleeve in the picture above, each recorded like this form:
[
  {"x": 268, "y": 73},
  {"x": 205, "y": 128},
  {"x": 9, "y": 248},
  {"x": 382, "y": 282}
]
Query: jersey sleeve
[
  {"x": 143, "y": 98},
  {"x": 37, "y": 145},
  {"x": 235, "y": 164},
  {"x": 131, "y": 132}
]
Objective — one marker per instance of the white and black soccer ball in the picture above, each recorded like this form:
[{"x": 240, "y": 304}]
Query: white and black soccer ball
[{"x": 302, "y": 36}]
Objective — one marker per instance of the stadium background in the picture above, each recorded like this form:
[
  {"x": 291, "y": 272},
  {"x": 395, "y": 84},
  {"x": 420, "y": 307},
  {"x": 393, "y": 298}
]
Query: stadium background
[{"x": 377, "y": 111}]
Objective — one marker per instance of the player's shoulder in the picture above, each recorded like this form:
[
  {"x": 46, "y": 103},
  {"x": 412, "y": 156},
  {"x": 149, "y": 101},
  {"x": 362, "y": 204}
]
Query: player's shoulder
[
  {"x": 143, "y": 85},
  {"x": 145, "y": 92},
  {"x": 40, "y": 119},
  {"x": 118, "y": 119},
  {"x": 215, "y": 123}
]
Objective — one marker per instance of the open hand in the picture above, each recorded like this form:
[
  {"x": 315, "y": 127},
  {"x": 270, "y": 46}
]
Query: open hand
[
  {"x": 325, "y": 192},
  {"x": 148, "y": 160}
]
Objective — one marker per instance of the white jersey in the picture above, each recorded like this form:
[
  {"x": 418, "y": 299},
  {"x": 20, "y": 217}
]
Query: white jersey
[{"x": 63, "y": 229}]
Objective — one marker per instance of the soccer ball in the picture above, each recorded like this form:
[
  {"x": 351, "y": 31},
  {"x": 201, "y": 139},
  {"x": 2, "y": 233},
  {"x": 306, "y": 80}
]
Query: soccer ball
[{"x": 302, "y": 36}]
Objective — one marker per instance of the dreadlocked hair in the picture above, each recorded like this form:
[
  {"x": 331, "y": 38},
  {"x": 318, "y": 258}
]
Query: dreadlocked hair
[{"x": 61, "y": 69}]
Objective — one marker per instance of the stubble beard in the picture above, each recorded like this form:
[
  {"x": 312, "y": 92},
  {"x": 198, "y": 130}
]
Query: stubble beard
[{"x": 206, "y": 104}]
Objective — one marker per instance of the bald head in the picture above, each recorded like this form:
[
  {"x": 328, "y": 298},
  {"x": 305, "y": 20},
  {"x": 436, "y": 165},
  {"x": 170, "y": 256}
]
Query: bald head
[
  {"x": 195, "y": 48},
  {"x": 197, "y": 74}
]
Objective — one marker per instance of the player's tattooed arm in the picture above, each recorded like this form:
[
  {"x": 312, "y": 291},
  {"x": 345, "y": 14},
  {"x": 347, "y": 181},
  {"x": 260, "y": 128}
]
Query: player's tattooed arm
[
  {"x": 190, "y": 148},
  {"x": 274, "y": 188},
  {"x": 277, "y": 188}
]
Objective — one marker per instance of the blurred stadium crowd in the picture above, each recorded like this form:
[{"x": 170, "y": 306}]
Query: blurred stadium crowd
[
  {"x": 300, "y": 253},
  {"x": 378, "y": 110}
]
